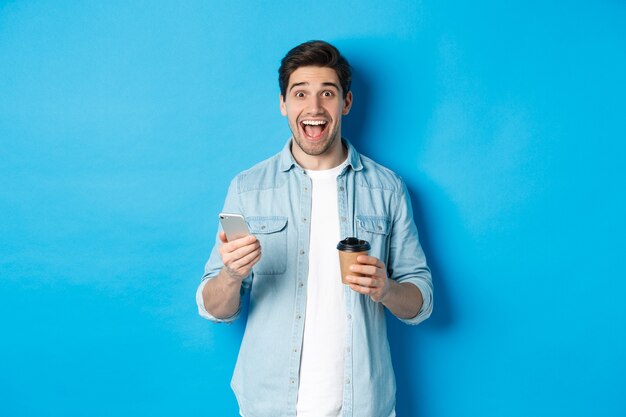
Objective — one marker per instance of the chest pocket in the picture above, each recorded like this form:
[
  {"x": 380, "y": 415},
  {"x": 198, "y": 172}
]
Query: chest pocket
[
  {"x": 272, "y": 234},
  {"x": 375, "y": 229}
]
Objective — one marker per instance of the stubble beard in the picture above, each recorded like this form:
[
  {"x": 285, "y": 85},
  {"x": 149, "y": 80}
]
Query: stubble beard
[{"x": 317, "y": 149}]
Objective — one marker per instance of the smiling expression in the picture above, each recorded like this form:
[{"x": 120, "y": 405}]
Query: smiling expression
[{"x": 314, "y": 105}]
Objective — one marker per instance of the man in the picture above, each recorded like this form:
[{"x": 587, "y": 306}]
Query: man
[{"x": 313, "y": 346}]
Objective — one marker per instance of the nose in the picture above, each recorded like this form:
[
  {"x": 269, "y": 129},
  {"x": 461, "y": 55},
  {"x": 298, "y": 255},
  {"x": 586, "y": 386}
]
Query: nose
[{"x": 315, "y": 105}]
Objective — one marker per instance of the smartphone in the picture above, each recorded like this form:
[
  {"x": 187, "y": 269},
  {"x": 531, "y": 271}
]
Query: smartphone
[{"x": 234, "y": 226}]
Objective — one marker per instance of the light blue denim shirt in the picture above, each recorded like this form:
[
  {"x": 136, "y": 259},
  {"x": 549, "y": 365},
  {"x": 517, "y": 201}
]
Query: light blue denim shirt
[{"x": 275, "y": 198}]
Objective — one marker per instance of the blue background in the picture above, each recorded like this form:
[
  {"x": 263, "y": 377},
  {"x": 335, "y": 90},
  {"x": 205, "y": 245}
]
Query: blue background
[{"x": 122, "y": 124}]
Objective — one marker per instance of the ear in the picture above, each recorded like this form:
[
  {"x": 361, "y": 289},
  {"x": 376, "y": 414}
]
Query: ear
[
  {"x": 347, "y": 103},
  {"x": 283, "y": 106}
]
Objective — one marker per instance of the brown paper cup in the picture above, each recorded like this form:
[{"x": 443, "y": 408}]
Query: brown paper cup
[
  {"x": 349, "y": 249},
  {"x": 345, "y": 260}
]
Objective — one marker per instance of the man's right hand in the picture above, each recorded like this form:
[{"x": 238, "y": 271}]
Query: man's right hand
[{"x": 239, "y": 256}]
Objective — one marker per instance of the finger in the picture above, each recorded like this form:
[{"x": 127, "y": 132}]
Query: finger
[
  {"x": 370, "y": 260},
  {"x": 243, "y": 269},
  {"x": 246, "y": 260},
  {"x": 363, "y": 269},
  {"x": 360, "y": 289},
  {"x": 236, "y": 244},
  {"x": 362, "y": 281},
  {"x": 242, "y": 252},
  {"x": 243, "y": 241},
  {"x": 253, "y": 262},
  {"x": 223, "y": 237},
  {"x": 230, "y": 249}
]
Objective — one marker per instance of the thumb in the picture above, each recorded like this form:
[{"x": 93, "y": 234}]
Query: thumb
[{"x": 223, "y": 237}]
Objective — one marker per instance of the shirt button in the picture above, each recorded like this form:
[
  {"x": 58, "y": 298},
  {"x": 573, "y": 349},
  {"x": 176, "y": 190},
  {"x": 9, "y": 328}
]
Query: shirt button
[
  {"x": 341, "y": 188},
  {"x": 298, "y": 316},
  {"x": 348, "y": 349},
  {"x": 304, "y": 219},
  {"x": 292, "y": 381},
  {"x": 306, "y": 189},
  {"x": 348, "y": 381},
  {"x": 301, "y": 284},
  {"x": 302, "y": 252},
  {"x": 343, "y": 218},
  {"x": 349, "y": 316}
]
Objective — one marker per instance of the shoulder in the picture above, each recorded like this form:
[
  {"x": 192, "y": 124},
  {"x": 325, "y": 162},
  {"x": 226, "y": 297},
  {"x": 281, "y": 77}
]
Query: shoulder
[
  {"x": 263, "y": 175},
  {"x": 376, "y": 176}
]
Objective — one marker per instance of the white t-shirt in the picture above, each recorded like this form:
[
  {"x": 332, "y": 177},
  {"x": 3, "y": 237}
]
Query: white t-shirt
[{"x": 320, "y": 392}]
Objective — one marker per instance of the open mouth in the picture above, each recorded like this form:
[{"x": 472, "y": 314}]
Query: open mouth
[{"x": 313, "y": 128}]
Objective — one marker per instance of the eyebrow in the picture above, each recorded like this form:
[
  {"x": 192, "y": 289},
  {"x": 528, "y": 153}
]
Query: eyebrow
[{"x": 304, "y": 83}]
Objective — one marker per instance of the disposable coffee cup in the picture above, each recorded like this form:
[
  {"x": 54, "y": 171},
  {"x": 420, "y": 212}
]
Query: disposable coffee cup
[{"x": 349, "y": 249}]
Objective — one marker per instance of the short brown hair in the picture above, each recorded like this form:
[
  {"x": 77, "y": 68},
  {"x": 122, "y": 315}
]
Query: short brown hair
[{"x": 317, "y": 54}]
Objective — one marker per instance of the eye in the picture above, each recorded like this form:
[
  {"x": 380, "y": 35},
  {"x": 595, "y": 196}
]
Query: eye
[
  {"x": 299, "y": 94},
  {"x": 327, "y": 93}
]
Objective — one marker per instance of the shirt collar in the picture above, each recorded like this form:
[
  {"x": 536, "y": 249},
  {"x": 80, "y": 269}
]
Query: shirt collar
[{"x": 287, "y": 161}]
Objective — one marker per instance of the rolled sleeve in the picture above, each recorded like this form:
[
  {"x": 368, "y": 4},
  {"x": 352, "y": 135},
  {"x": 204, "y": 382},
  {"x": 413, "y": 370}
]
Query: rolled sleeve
[
  {"x": 202, "y": 310},
  {"x": 407, "y": 261},
  {"x": 427, "y": 305},
  {"x": 214, "y": 265}
]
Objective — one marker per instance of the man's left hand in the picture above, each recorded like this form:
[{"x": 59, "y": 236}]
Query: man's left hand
[{"x": 375, "y": 282}]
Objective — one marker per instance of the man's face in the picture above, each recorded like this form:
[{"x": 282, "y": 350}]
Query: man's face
[{"x": 314, "y": 104}]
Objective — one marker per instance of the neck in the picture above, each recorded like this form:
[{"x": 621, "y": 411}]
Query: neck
[{"x": 330, "y": 159}]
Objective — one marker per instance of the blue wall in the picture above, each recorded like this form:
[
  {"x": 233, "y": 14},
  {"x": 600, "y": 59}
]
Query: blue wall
[{"x": 121, "y": 126}]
